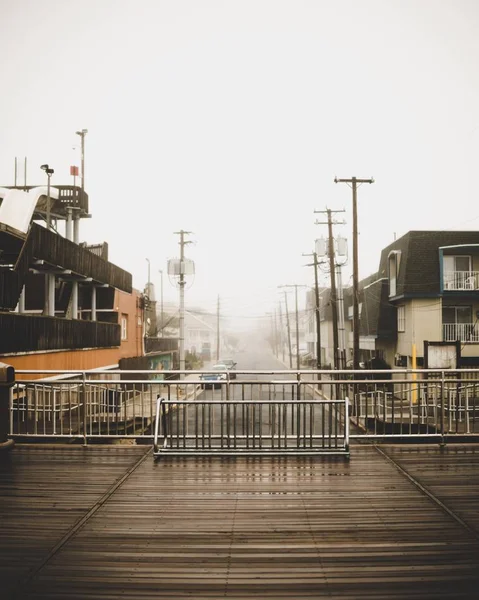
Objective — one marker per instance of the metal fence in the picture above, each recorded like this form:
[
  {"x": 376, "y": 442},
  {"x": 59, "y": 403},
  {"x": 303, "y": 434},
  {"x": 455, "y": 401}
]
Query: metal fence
[
  {"x": 251, "y": 427},
  {"x": 281, "y": 411}
]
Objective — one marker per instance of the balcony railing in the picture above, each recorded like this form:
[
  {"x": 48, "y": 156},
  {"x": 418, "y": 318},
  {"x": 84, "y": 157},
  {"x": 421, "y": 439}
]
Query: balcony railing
[
  {"x": 461, "y": 280},
  {"x": 462, "y": 332},
  {"x": 36, "y": 333}
]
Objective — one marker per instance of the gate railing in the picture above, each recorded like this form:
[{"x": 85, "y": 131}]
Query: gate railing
[{"x": 251, "y": 427}]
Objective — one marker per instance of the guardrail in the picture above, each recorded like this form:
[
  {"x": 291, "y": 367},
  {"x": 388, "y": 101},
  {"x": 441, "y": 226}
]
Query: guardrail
[{"x": 104, "y": 405}]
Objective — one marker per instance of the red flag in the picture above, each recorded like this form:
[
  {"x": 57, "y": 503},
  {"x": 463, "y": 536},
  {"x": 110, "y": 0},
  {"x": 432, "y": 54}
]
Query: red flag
[{"x": 74, "y": 171}]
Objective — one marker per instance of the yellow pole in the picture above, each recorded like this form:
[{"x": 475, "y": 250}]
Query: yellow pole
[{"x": 414, "y": 375}]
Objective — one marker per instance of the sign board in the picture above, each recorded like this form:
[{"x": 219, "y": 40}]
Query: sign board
[
  {"x": 177, "y": 267},
  {"x": 442, "y": 355}
]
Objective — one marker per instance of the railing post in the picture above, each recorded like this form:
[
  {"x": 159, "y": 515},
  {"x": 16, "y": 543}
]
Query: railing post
[
  {"x": 443, "y": 399},
  {"x": 7, "y": 380},
  {"x": 346, "y": 424},
  {"x": 158, "y": 416},
  {"x": 84, "y": 409}
]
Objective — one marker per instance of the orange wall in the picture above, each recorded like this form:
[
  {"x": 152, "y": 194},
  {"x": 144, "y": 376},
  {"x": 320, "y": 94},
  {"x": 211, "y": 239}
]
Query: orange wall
[
  {"x": 129, "y": 304},
  {"x": 68, "y": 360},
  {"x": 95, "y": 358}
]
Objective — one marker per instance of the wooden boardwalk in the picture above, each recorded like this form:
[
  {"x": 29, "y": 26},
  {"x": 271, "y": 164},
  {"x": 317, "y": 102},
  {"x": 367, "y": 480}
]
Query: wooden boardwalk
[{"x": 109, "y": 522}]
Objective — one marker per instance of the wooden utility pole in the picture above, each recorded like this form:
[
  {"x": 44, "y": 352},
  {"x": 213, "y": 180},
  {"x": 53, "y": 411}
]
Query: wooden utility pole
[
  {"x": 276, "y": 349},
  {"x": 288, "y": 330},
  {"x": 317, "y": 309},
  {"x": 182, "y": 282},
  {"x": 281, "y": 330},
  {"x": 218, "y": 330},
  {"x": 354, "y": 181},
  {"x": 296, "y": 286},
  {"x": 334, "y": 300}
]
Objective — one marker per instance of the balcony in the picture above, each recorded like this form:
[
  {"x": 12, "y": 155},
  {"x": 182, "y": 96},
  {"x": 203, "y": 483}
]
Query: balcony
[
  {"x": 27, "y": 333},
  {"x": 461, "y": 280},
  {"x": 462, "y": 332}
]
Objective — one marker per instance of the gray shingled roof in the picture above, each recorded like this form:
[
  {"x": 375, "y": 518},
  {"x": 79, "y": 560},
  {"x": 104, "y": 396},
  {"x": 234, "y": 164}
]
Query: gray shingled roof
[
  {"x": 419, "y": 264},
  {"x": 378, "y": 315}
]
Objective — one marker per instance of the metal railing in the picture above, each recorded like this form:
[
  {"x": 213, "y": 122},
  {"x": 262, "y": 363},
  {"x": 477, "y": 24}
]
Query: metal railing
[
  {"x": 463, "y": 332},
  {"x": 282, "y": 411},
  {"x": 251, "y": 427},
  {"x": 461, "y": 280}
]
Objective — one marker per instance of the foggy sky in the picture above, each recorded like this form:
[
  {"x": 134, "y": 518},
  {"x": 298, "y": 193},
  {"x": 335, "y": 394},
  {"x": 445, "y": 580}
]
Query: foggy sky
[{"x": 230, "y": 119}]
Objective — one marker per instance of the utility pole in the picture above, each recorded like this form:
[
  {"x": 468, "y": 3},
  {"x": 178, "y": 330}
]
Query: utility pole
[
  {"x": 182, "y": 295},
  {"x": 218, "y": 330},
  {"x": 296, "y": 286},
  {"x": 161, "y": 302},
  {"x": 148, "y": 284},
  {"x": 354, "y": 181},
  {"x": 281, "y": 341},
  {"x": 316, "y": 309},
  {"x": 276, "y": 349},
  {"x": 334, "y": 302},
  {"x": 288, "y": 330}
]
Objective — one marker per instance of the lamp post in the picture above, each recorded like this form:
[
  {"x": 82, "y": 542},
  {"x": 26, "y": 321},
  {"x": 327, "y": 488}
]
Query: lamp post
[
  {"x": 161, "y": 302},
  {"x": 82, "y": 134},
  {"x": 49, "y": 173},
  {"x": 148, "y": 283}
]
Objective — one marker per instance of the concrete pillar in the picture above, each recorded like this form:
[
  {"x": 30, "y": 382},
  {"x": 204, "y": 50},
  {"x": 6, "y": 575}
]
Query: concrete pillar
[
  {"x": 21, "y": 302},
  {"x": 7, "y": 379},
  {"x": 93, "y": 303},
  {"x": 69, "y": 224},
  {"x": 49, "y": 309},
  {"x": 75, "y": 300},
  {"x": 76, "y": 230}
]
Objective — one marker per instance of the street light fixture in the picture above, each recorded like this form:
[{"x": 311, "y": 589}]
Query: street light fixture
[
  {"x": 148, "y": 284},
  {"x": 49, "y": 173},
  {"x": 161, "y": 303}
]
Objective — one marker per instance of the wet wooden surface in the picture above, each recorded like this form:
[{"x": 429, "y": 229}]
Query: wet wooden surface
[{"x": 96, "y": 522}]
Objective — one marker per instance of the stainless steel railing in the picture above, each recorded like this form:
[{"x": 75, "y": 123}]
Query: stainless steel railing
[
  {"x": 104, "y": 405},
  {"x": 251, "y": 427}
]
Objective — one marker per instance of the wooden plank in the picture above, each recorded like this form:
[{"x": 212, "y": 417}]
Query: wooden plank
[{"x": 240, "y": 528}]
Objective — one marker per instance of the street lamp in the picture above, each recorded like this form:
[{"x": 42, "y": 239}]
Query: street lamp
[
  {"x": 161, "y": 303},
  {"x": 49, "y": 173},
  {"x": 148, "y": 284},
  {"x": 82, "y": 134}
]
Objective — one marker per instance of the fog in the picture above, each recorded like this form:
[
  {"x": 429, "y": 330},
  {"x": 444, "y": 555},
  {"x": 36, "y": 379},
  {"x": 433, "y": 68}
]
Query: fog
[{"x": 230, "y": 120}]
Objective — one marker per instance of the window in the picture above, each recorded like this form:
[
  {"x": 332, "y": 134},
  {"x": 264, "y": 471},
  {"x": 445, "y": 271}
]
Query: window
[
  {"x": 457, "y": 324},
  {"x": 457, "y": 314},
  {"x": 401, "y": 318},
  {"x": 393, "y": 269},
  {"x": 124, "y": 327}
]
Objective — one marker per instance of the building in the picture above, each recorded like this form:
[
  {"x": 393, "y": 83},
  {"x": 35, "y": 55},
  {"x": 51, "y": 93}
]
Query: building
[
  {"x": 63, "y": 305},
  {"x": 426, "y": 290}
]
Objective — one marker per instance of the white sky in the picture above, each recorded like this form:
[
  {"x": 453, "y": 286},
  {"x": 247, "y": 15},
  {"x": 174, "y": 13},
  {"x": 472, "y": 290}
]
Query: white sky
[{"x": 230, "y": 119}]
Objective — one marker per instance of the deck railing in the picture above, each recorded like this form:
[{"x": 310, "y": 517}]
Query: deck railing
[{"x": 273, "y": 410}]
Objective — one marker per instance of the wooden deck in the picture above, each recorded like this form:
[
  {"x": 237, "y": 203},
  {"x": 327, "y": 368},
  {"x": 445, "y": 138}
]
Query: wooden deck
[{"x": 109, "y": 522}]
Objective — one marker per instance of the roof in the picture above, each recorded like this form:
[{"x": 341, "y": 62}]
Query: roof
[
  {"x": 378, "y": 315},
  {"x": 418, "y": 273}
]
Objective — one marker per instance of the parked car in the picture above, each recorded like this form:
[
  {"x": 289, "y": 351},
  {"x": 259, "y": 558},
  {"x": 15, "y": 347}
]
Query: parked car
[
  {"x": 231, "y": 365},
  {"x": 214, "y": 378}
]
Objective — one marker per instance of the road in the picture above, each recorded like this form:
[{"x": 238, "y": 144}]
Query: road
[{"x": 225, "y": 417}]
